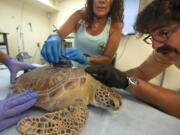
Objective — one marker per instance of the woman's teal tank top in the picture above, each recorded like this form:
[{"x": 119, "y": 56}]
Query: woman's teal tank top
[{"x": 90, "y": 45}]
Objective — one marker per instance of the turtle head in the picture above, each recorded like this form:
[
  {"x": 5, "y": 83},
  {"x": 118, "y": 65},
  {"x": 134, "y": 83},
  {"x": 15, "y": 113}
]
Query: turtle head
[{"x": 107, "y": 98}]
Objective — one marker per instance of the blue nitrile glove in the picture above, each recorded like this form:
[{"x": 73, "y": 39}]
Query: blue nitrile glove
[
  {"x": 15, "y": 66},
  {"x": 51, "y": 50},
  {"x": 74, "y": 54},
  {"x": 13, "y": 107}
]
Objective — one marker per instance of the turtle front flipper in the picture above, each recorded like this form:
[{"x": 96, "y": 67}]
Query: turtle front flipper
[{"x": 68, "y": 121}]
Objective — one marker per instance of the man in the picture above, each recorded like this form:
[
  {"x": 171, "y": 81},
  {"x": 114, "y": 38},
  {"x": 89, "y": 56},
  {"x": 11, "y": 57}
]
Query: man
[
  {"x": 13, "y": 107},
  {"x": 161, "y": 20}
]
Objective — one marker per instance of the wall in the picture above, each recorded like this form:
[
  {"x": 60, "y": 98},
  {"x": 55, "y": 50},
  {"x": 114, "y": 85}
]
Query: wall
[
  {"x": 66, "y": 8},
  {"x": 13, "y": 14}
]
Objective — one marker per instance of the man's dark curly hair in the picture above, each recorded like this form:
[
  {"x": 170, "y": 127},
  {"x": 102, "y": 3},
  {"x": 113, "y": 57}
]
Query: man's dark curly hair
[
  {"x": 116, "y": 11},
  {"x": 157, "y": 14}
]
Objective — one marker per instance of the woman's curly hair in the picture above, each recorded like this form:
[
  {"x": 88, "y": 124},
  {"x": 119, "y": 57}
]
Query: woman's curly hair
[
  {"x": 157, "y": 14},
  {"x": 116, "y": 11}
]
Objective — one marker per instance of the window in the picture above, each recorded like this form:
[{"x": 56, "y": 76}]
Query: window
[{"x": 131, "y": 9}]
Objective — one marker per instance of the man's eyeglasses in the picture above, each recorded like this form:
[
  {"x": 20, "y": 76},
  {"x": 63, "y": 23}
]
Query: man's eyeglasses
[{"x": 160, "y": 36}]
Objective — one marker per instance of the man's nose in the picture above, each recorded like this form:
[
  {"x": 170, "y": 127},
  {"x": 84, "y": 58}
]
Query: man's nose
[{"x": 157, "y": 44}]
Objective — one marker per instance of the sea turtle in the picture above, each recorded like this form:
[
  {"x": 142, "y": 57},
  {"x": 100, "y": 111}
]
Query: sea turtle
[{"x": 65, "y": 92}]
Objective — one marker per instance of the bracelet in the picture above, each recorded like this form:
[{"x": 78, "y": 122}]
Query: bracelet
[
  {"x": 132, "y": 83},
  {"x": 87, "y": 60}
]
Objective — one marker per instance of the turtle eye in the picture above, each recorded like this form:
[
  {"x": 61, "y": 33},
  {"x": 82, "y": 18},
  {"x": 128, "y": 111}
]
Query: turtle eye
[{"x": 111, "y": 103}]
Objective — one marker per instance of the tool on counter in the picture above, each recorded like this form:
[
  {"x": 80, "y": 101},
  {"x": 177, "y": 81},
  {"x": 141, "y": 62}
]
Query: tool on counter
[{"x": 24, "y": 57}]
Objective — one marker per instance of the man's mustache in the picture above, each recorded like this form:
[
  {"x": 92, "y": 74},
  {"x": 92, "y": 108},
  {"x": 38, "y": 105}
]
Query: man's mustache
[{"x": 167, "y": 49}]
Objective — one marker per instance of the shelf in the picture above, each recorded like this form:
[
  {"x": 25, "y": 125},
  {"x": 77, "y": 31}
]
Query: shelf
[{"x": 5, "y": 41}]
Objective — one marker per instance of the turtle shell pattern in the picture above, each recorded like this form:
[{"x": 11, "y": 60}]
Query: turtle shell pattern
[{"x": 65, "y": 92}]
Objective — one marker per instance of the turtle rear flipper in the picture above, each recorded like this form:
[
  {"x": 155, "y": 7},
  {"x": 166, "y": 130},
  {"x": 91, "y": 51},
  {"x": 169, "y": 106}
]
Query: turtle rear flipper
[{"x": 68, "y": 121}]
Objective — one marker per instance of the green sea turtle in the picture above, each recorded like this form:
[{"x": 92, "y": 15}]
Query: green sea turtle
[{"x": 65, "y": 92}]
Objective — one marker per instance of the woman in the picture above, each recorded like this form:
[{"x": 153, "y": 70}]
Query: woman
[{"x": 97, "y": 31}]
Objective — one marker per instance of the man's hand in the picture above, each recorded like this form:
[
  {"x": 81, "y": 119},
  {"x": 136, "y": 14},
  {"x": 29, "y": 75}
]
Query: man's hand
[
  {"x": 74, "y": 54},
  {"x": 15, "y": 66},
  {"x": 108, "y": 75},
  {"x": 13, "y": 107},
  {"x": 51, "y": 50}
]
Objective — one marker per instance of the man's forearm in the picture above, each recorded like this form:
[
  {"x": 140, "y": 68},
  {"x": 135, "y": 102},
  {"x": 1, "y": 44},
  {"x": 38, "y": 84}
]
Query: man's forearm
[
  {"x": 138, "y": 74},
  {"x": 164, "y": 99}
]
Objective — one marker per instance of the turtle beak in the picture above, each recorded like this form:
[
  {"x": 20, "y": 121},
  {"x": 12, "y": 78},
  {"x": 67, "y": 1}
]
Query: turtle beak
[{"x": 118, "y": 105}]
